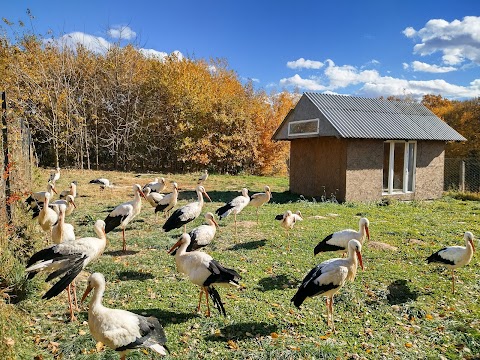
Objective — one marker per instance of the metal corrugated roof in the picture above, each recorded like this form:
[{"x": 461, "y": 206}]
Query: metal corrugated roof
[{"x": 368, "y": 118}]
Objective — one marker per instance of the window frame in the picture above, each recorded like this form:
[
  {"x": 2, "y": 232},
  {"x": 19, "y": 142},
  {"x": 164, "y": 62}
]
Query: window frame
[
  {"x": 391, "y": 163},
  {"x": 304, "y": 121}
]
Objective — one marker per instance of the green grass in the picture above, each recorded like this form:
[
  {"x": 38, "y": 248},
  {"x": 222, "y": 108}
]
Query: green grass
[{"x": 398, "y": 308}]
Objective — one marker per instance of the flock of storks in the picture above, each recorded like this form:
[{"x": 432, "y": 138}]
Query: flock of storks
[{"x": 122, "y": 330}]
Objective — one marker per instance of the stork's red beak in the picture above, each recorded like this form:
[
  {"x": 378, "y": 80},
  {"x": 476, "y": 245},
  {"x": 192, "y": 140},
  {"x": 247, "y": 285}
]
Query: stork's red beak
[
  {"x": 473, "y": 246},
  {"x": 85, "y": 294},
  {"x": 359, "y": 256},
  {"x": 142, "y": 194},
  {"x": 216, "y": 224},
  {"x": 55, "y": 191},
  {"x": 73, "y": 203},
  {"x": 208, "y": 197},
  {"x": 177, "y": 244},
  {"x": 368, "y": 232}
]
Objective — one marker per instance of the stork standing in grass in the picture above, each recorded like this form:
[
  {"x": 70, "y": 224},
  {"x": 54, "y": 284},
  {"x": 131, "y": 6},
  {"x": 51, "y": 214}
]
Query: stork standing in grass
[
  {"x": 187, "y": 213},
  {"x": 202, "y": 235},
  {"x": 121, "y": 330},
  {"x": 259, "y": 199},
  {"x": 67, "y": 259},
  {"x": 124, "y": 213},
  {"x": 338, "y": 241},
  {"x": 35, "y": 200},
  {"x": 54, "y": 176},
  {"x": 103, "y": 182},
  {"x": 69, "y": 203},
  {"x": 72, "y": 190},
  {"x": 204, "y": 271},
  {"x": 153, "y": 198},
  {"x": 288, "y": 221},
  {"x": 47, "y": 217},
  {"x": 156, "y": 185},
  {"x": 329, "y": 277},
  {"x": 203, "y": 177},
  {"x": 168, "y": 201},
  {"x": 453, "y": 257},
  {"x": 235, "y": 206}
]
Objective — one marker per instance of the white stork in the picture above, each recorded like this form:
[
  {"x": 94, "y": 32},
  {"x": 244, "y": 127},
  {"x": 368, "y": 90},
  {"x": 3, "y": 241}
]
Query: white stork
[
  {"x": 69, "y": 203},
  {"x": 187, "y": 213},
  {"x": 54, "y": 175},
  {"x": 153, "y": 198},
  {"x": 204, "y": 271},
  {"x": 168, "y": 201},
  {"x": 453, "y": 257},
  {"x": 67, "y": 259},
  {"x": 328, "y": 277},
  {"x": 259, "y": 199},
  {"x": 157, "y": 185},
  {"x": 289, "y": 219},
  {"x": 35, "y": 199},
  {"x": 235, "y": 206},
  {"x": 72, "y": 190},
  {"x": 121, "y": 330},
  {"x": 103, "y": 182},
  {"x": 338, "y": 241},
  {"x": 62, "y": 232},
  {"x": 203, "y": 177},
  {"x": 47, "y": 217},
  {"x": 124, "y": 213},
  {"x": 202, "y": 235}
]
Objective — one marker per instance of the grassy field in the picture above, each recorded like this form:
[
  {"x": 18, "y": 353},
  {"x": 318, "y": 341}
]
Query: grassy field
[{"x": 398, "y": 308}]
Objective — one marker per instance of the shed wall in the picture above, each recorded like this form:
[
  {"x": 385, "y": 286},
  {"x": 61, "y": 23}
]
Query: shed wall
[
  {"x": 317, "y": 167},
  {"x": 430, "y": 168},
  {"x": 364, "y": 173}
]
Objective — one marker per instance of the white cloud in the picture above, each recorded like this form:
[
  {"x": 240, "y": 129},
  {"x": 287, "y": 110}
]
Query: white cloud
[
  {"x": 405, "y": 66},
  {"x": 372, "y": 84},
  {"x": 151, "y": 53},
  {"x": 458, "y": 41},
  {"x": 121, "y": 32},
  {"x": 96, "y": 44},
  {"x": 304, "y": 64},
  {"x": 307, "y": 84},
  {"x": 99, "y": 45},
  {"x": 421, "y": 66}
]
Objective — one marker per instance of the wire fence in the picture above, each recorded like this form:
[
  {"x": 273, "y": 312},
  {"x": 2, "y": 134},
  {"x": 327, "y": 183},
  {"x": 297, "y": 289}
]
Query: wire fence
[
  {"x": 462, "y": 175},
  {"x": 18, "y": 159}
]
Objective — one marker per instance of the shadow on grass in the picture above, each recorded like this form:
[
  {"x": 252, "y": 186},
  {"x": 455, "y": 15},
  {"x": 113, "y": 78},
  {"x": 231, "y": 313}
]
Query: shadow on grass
[
  {"x": 251, "y": 245},
  {"x": 133, "y": 275},
  {"x": 399, "y": 292},
  {"x": 225, "y": 196},
  {"x": 275, "y": 282},
  {"x": 121, "y": 252},
  {"x": 239, "y": 331},
  {"x": 165, "y": 316}
]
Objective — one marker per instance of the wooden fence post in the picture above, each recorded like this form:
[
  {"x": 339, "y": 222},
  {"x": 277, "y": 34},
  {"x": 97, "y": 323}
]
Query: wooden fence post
[
  {"x": 461, "y": 185},
  {"x": 6, "y": 158}
]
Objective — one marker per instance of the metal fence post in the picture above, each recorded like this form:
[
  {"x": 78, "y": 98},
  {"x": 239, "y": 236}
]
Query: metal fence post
[{"x": 461, "y": 185}]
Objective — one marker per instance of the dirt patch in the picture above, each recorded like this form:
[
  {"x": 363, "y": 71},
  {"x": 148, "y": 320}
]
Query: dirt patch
[
  {"x": 247, "y": 224},
  {"x": 381, "y": 246},
  {"x": 415, "y": 241}
]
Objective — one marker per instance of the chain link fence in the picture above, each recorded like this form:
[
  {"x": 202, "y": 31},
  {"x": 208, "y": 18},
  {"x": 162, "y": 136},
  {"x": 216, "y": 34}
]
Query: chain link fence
[{"x": 462, "y": 174}]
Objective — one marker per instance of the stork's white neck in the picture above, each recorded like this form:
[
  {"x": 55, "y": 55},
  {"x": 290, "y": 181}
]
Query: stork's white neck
[
  {"x": 96, "y": 301},
  {"x": 200, "y": 198}
]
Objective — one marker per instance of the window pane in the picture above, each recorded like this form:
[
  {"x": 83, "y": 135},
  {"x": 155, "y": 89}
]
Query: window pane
[
  {"x": 398, "y": 167},
  {"x": 386, "y": 157},
  {"x": 303, "y": 127},
  {"x": 410, "y": 168}
]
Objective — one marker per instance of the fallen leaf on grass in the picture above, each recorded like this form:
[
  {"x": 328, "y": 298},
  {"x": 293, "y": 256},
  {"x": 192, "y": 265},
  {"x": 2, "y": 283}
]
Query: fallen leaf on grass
[
  {"x": 99, "y": 346},
  {"x": 408, "y": 345},
  {"x": 82, "y": 332},
  {"x": 9, "y": 342},
  {"x": 274, "y": 335},
  {"x": 428, "y": 317},
  {"x": 232, "y": 345},
  {"x": 293, "y": 347}
]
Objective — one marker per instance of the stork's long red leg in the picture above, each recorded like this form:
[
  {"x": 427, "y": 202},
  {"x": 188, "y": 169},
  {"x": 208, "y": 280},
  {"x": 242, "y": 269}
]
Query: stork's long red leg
[
  {"x": 124, "y": 242},
  {"x": 70, "y": 305},
  {"x": 200, "y": 299},
  {"x": 208, "y": 305},
  {"x": 74, "y": 290},
  {"x": 331, "y": 313}
]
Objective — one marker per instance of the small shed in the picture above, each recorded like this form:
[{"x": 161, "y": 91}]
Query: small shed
[{"x": 365, "y": 149}]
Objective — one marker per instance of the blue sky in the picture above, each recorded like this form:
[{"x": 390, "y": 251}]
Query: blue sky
[{"x": 362, "y": 48}]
